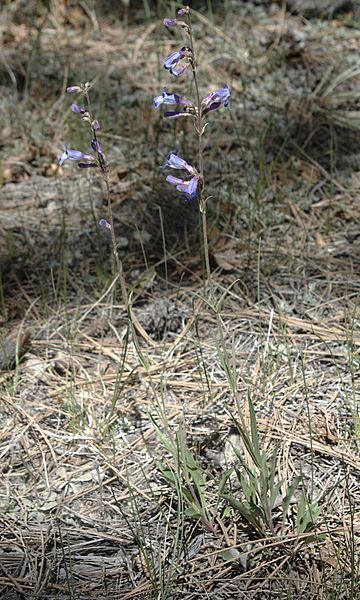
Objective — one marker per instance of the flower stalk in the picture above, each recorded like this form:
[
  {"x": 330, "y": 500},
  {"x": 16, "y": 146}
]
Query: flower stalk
[
  {"x": 99, "y": 160},
  {"x": 194, "y": 188},
  {"x": 105, "y": 171},
  {"x": 199, "y": 128}
]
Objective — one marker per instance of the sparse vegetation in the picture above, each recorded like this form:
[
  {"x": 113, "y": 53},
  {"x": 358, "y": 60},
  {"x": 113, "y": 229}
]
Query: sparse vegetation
[{"x": 213, "y": 452}]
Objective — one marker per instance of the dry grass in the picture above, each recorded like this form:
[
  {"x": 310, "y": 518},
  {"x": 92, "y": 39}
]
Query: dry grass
[{"x": 84, "y": 510}]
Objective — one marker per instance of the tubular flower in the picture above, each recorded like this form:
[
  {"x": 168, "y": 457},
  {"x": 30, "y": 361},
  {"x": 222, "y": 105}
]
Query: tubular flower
[
  {"x": 73, "y": 88},
  {"x": 74, "y": 155},
  {"x": 189, "y": 188},
  {"x": 170, "y": 63},
  {"x": 171, "y": 22},
  {"x": 175, "y": 162},
  {"x": 174, "y": 99},
  {"x": 78, "y": 109},
  {"x": 166, "y": 98},
  {"x": 96, "y": 147},
  {"x": 104, "y": 224},
  {"x": 175, "y": 23},
  {"x": 216, "y": 99}
]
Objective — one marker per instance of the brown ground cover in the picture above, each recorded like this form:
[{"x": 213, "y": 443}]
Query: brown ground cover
[{"x": 93, "y": 504}]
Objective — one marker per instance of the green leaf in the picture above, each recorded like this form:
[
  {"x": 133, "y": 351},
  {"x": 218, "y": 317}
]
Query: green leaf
[
  {"x": 192, "y": 512},
  {"x": 288, "y": 496},
  {"x": 165, "y": 441},
  {"x": 227, "y": 512},
  {"x": 244, "y": 511},
  {"x": 224, "y": 479},
  {"x": 167, "y": 473},
  {"x": 307, "y": 514},
  {"x": 254, "y": 430}
]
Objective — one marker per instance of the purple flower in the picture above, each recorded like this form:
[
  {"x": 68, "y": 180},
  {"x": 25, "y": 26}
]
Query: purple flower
[
  {"x": 180, "y": 69},
  {"x": 95, "y": 125},
  {"x": 78, "y": 109},
  {"x": 171, "y": 22},
  {"x": 183, "y": 11},
  {"x": 96, "y": 147},
  {"x": 104, "y": 224},
  {"x": 166, "y": 98},
  {"x": 215, "y": 99},
  {"x": 176, "y": 23},
  {"x": 175, "y": 162},
  {"x": 172, "y": 60},
  {"x": 189, "y": 188},
  {"x": 73, "y": 88},
  {"x": 74, "y": 155}
]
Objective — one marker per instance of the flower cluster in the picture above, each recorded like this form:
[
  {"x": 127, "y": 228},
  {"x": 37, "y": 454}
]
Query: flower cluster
[
  {"x": 84, "y": 160},
  {"x": 171, "y": 62},
  {"x": 188, "y": 187},
  {"x": 91, "y": 160},
  {"x": 176, "y": 63}
]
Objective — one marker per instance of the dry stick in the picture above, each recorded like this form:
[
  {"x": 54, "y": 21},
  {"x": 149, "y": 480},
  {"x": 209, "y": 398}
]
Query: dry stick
[{"x": 199, "y": 129}]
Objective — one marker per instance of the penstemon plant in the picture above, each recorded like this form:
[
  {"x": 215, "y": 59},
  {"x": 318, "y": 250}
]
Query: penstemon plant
[
  {"x": 177, "y": 63},
  {"x": 96, "y": 160}
]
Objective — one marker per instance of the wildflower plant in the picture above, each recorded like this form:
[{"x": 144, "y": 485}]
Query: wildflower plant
[
  {"x": 192, "y": 184},
  {"x": 267, "y": 501},
  {"x": 97, "y": 160},
  {"x": 184, "y": 475}
]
